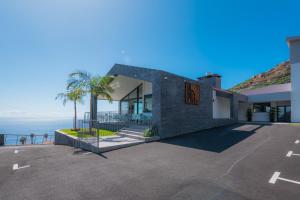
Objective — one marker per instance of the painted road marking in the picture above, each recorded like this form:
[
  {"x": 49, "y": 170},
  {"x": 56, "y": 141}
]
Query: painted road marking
[
  {"x": 276, "y": 177},
  {"x": 291, "y": 153},
  {"x": 87, "y": 153},
  {"x": 297, "y": 141},
  {"x": 16, "y": 151},
  {"x": 16, "y": 167}
]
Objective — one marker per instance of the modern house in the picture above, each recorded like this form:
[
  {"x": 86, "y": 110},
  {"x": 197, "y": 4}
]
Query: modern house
[{"x": 178, "y": 105}]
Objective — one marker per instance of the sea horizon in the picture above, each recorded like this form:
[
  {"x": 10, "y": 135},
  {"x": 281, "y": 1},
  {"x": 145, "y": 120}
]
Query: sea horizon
[{"x": 26, "y": 126}]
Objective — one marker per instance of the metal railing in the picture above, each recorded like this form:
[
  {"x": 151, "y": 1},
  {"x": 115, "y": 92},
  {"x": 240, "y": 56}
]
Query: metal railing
[
  {"x": 112, "y": 121},
  {"x": 142, "y": 119},
  {"x": 32, "y": 139},
  {"x": 103, "y": 116}
]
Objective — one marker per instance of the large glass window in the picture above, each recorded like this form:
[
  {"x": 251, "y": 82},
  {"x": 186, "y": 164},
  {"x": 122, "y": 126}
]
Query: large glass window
[
  {"x": 148, "y": 103},
  {"x": 133, "y": 102},
  {"x": 261, "y": 107},
  {"x": 124, "y": 107}
]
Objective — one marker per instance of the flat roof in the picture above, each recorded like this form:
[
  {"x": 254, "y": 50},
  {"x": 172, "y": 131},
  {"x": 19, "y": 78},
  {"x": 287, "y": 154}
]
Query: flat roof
[{"x": 269, "y": 89}]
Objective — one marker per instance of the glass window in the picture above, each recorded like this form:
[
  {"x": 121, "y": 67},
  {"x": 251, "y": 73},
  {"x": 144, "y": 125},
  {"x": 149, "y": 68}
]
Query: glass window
[
  {"x": 133, "y": 102},
  {"x": 124, "y": 106},
  {"x": 261, "y": 107},
  {"x": 148, "y": 103}
]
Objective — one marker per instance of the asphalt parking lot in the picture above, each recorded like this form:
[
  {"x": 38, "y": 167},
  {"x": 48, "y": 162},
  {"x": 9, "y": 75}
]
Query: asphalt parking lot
[{"x": 229, "y": 163}]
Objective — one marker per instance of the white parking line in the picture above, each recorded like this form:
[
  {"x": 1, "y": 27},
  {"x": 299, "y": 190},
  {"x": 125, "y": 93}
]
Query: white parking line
[
  {"x": 276, "y": 177},
  {"x": 16, "y": 151},
  {"x": 16, "y": 167},
  {"x": 297, "y": 141},
  {"x": 87, "y": 153},
  {"x": 291, "y": 153}
]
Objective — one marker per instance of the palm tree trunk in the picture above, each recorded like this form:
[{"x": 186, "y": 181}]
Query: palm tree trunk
[
  {"x": 91, "y": 114},
  {"x": 75, "y": 115},
  {"x": 91, "y": 107}
]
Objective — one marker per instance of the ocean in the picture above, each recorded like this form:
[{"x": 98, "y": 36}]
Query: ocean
[{"x": 13, "y": 127}]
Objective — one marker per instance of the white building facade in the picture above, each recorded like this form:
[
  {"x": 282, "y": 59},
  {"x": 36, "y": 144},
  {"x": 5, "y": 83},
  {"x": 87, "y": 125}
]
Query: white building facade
[{"x": 294, "y": 45}]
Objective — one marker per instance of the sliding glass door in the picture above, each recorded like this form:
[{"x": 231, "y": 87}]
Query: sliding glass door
[{"x": 283, "y": 113}]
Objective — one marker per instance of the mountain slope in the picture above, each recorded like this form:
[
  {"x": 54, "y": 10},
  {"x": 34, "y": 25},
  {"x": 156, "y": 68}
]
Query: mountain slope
[{"x": 280, "y": 74}]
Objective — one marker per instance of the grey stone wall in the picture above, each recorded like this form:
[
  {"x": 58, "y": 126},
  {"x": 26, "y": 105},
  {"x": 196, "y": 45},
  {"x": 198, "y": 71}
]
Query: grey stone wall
[{"x": 180, "y": 118}]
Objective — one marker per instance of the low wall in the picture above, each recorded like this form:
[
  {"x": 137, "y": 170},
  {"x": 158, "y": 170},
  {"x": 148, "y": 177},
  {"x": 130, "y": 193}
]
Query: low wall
[{"x": 64, "y": 139}]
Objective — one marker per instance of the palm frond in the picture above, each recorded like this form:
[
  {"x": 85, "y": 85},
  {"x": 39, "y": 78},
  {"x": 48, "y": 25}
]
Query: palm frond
[
  {"x": 63, "y": 96},
  {"x": 82, "y": 75}
]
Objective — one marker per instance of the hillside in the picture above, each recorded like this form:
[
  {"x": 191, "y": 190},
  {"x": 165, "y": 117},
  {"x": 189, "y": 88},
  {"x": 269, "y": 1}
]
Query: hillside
[{"x": 280, "y": 74}]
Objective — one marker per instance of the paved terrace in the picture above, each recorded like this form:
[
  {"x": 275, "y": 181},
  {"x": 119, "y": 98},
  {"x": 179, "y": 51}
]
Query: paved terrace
[
  {"x": 232, "y": 163},
  {"x": 108, "y": 143}
]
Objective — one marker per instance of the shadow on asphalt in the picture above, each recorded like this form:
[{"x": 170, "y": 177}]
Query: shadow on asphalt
[
  {"x": 80, "y": 152},
  {"x": 216, "y": 139}
]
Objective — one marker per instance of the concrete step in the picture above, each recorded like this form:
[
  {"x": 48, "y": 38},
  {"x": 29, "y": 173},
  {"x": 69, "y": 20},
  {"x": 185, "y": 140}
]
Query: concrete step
[
  {"x": 136, "y": 128},
  {"x": 131, "y": 135},
  {"x": 139, "y": 135},
  {"x": 134, "y": 132}
]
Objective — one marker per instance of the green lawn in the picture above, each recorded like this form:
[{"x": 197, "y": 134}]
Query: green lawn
[
  {"x": 102, "y": 132},
  {"x": 295, "y": 124}
]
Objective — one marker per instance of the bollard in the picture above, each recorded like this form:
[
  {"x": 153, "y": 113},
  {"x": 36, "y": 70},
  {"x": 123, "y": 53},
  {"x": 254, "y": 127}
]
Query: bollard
[{"x": 1, "y": 139}]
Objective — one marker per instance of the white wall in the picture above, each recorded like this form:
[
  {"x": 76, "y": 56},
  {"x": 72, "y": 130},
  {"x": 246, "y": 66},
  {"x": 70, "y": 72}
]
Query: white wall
[
  {"x": 295, "y": 95},
  {"x": 221, "y": 107}
]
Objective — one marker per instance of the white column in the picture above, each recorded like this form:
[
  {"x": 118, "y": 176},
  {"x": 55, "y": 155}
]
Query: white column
[{"x": 294, "y": 45}]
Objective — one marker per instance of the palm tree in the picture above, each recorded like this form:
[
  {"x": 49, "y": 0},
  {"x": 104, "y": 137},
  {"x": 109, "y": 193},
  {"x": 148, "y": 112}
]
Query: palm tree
[
  {"x": 75, "y": 95},
  {"x": 97, "y": 86}
]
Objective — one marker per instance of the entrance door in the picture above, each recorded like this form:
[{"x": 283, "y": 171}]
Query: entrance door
[{"x": 283, "y": 113}]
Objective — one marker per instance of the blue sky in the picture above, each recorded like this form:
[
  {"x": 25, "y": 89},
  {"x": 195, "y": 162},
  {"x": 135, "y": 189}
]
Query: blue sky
[{"x": 42, "y": 41}]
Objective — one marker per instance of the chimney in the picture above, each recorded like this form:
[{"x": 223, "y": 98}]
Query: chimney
[{"x": 212, "y": 79}]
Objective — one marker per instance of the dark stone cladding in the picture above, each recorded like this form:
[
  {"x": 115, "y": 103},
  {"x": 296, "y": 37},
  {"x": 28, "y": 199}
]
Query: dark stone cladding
[{"x": 170, "y": 113}]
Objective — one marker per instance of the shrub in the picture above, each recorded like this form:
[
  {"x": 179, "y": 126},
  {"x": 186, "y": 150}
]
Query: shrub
[
  {"x": 31, "y": 137},
  {"x": 46, "y": 136},
  {"x": 23, "y": 140},
  {"x": 150, "y": 132}
]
